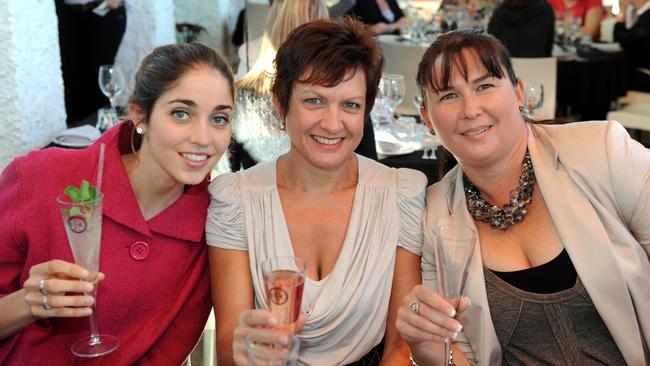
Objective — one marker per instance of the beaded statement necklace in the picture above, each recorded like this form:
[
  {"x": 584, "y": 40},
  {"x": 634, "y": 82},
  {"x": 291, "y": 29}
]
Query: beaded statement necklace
[{"x": 510, "y": 213}]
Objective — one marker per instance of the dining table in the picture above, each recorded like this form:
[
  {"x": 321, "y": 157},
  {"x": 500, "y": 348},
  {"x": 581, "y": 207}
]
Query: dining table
[{"x": 589, "y": 80}]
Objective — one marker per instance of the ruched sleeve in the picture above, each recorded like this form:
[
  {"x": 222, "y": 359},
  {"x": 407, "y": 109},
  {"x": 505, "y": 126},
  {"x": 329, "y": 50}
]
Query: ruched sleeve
[
  {"x": 410, "y": 202},
  {"x": 225, "y": 226}
]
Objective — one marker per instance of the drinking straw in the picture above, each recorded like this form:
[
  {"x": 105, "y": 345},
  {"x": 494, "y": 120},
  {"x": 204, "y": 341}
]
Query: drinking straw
[{"x": 100, "y": 168}]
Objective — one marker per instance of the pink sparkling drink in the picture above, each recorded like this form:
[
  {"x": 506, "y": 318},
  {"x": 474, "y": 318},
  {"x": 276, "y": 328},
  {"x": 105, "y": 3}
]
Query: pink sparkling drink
[{"x": 284, "y": 282}]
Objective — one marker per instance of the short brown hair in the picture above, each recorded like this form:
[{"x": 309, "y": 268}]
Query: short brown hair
[
  {"x": 449, "y": 46},
  {"x": 322, "y": 52}
]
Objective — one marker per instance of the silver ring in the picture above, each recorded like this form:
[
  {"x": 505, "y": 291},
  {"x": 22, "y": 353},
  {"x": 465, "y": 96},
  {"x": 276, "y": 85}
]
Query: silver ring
[
  {"x": 46, "y": 306},
  {"x": 414, "y": 305},
  {"x": 41, "y": 287}
]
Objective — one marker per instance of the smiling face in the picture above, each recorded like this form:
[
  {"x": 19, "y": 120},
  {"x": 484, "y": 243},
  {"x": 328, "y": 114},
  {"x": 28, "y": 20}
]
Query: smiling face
[
  {"x": 325, "y": 124},
  {"x": 189, "y": 128},
  {"x": 478, "y": 119}
]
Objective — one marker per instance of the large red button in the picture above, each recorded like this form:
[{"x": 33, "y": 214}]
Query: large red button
[{"x": 139, "y": 250}]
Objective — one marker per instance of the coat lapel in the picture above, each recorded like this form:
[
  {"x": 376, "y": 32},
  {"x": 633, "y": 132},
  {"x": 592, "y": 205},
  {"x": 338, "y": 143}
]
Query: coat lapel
[{"x": 586, "y": 241}]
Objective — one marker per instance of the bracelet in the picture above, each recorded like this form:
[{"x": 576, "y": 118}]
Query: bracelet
[
  {"x": 413, "y": 363},
  {"x": 451, "y": 357}
]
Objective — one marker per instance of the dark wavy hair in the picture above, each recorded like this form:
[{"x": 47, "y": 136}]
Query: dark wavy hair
[{"x": 448, "y": 47}]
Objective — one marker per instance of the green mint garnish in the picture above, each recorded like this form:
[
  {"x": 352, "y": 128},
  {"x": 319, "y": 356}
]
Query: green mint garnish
[{"x": 86, "y": 194}]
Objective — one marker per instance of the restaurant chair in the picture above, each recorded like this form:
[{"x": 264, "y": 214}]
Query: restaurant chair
[
  {"x": 542, "y": 70},
  {"x": 634, "y": 96},
  {"x": 634, "y": 116}
]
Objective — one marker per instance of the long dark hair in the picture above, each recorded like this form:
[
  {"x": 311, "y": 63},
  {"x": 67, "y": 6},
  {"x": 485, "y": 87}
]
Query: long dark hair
[{"x": 164, "y": 66}]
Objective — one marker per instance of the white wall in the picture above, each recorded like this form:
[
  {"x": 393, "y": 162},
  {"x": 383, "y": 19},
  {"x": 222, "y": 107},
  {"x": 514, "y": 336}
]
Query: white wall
[
  {"x": 32, "y": 108},
  {"x": 218, "y": 17},
  {"x": 149, "y": 24}
]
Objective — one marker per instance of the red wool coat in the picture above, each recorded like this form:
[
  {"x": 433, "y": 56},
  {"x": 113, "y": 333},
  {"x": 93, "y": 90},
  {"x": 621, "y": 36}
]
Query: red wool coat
[{"x": 155, "y": 297}]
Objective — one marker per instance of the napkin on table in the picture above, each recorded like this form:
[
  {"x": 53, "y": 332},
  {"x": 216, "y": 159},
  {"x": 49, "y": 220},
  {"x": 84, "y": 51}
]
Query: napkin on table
[{"x": 78, "y": 135}]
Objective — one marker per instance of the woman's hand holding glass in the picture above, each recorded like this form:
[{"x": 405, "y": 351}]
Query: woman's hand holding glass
[
  {"x": 56, "y": 289},
  {"x": 262, "y": 324},
  {"x": 425, "y": 321}
]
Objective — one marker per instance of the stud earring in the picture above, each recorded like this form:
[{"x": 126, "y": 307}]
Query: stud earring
[
  {"x": 283, "y": 125},
  {"x": 432, "y": 131},
  {"x": 139, "y": 130}
]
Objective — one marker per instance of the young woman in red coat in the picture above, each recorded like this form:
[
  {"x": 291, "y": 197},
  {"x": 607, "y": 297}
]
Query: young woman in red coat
[{"x": 154, "y": 292}]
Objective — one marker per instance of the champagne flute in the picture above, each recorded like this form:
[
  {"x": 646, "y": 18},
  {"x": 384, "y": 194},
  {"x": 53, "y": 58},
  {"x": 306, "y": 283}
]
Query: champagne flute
[
  {"x": 284, "y": 281},
  {"x": 111, "y": 83},
  {"x": 454, "y": 248},
  {"x": 83, "y": 227},
  {"x": 534, "y": 96}
]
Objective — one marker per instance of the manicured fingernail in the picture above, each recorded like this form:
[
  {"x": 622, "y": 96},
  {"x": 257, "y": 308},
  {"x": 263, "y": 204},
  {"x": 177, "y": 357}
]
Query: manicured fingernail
[
  {"x": 469, "y": 301},
  {"x": 453, "y": 335},
  {"x": 87, "y": 287},
  {"x": 459, "y": 327},
  {"x": 86, "y": 312},
  {"x": 452, "y": 313}
]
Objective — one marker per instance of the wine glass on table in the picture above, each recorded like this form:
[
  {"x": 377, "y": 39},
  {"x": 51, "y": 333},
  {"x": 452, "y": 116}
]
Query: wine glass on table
[
  {"x": 82, "y": 219},
  {"x": 111, "y": 83},
  {"x": 284, "y": 282},
  {"x": 395, "y": 89},
  {"x": 454, "y": 248},
  {"x": 533, "y": 97}
]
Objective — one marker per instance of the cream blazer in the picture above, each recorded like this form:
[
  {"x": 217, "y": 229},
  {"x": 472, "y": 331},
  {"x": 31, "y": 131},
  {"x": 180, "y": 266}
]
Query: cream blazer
[{"x": 595, "y": 181}]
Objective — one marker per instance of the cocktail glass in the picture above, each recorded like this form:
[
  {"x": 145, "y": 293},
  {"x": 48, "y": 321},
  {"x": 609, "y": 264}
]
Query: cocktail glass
[
  {"x": 284, "y": 281},
  {"x": 454, "y": 248},
  {"x": 83, "y": 227}
]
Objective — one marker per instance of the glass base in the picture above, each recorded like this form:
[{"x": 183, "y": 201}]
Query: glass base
[{"x": 95, "y": 346}]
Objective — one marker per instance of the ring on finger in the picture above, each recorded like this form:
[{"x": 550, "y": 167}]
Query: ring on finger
[
  {"x": 414, "y": 305},
  {"x": 41, "y": 287},
  {"x": 46, "y": 305}
]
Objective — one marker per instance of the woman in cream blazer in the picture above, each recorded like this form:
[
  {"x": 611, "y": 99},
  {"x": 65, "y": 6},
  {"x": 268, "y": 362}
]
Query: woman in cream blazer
[
  {"x": 590, "y": 202},
  {"x": 601, "y": 209}
]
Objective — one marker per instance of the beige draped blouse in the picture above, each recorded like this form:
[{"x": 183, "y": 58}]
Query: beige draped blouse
[{"x": 348, "y": 309}]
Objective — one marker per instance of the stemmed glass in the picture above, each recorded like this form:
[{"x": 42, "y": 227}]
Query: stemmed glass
[
  {"x": 454, "y": 248},
  {"x": 111, "y": 83},
  {"x": 417, "y": 100},
  {"x": 533, "y": 96},
  {"x": 284, "y": 281},
  {"x": 394, "y": 89},
  {"x": 83, "y": 227}
]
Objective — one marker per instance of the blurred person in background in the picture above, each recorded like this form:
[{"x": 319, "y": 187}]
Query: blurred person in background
[
  {"x": 89, "y": 36},
  {"x": 382, "y": 16},
  {"x": 632, "y": 31},
  {"x": 589, "y": 12},
  {"x": 526, "y": 27}
]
